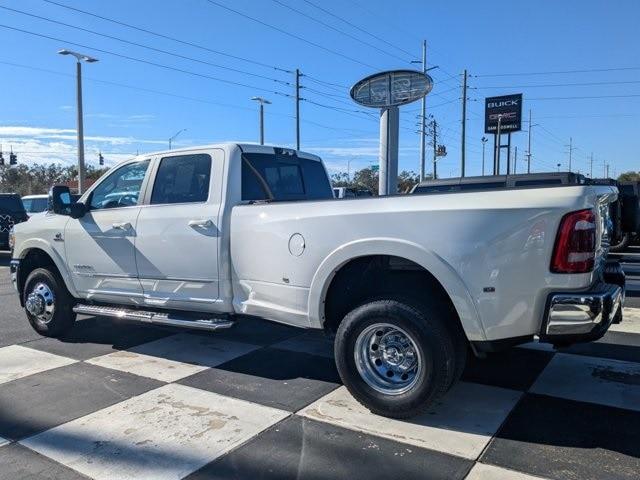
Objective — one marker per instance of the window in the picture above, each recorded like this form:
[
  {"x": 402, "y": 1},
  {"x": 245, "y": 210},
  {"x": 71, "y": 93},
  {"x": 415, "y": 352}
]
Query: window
[
  {"x": 11, "y": 203},
  {"x": 182, "y": 179},
  {"x": 35, "y": 205},
  {"x": 283, "y": 177},
  {"x": 121, "y": 188}
]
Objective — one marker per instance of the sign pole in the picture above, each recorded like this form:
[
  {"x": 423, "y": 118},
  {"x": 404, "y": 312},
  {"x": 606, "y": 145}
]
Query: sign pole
[
  {"x": 389, "y": 133},
  {"x": 509, "y": 153},
  {"x": 499, "y": 135},
  {"x": 495, "y": 152}
]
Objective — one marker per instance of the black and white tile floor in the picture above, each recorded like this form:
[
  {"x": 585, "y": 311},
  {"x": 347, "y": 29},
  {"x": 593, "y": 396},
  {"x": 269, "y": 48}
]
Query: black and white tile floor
[{"x": 264, "y": 401}]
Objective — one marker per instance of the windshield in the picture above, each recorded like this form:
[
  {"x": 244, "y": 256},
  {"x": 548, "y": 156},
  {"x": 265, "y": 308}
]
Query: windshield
[{"x": 35, "y": 205}]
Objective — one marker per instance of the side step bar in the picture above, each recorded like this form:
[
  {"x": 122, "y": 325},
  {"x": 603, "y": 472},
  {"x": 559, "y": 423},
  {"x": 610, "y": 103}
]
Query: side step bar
[{"x": 157, "y": 318}]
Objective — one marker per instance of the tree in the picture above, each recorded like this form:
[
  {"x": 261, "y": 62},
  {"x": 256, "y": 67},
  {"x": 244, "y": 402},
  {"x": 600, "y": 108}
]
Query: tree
[
  {"x": 340, "y": 179},
  {"x": 407, "y": 180},
  {"x": 367, "y": 179},
  {"x": 36, "y": 179},
  {"x": 629, "y": 177}
]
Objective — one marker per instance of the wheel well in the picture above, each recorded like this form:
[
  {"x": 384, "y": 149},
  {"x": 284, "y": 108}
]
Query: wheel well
[
  {"x": 35, "y": 258},
  {"x": 378, "y": 275}
]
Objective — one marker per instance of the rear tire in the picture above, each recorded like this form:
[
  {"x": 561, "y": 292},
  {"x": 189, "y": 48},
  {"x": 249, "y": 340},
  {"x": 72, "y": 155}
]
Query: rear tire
[
  {"x": 395, "y": 357},
  {"x": 48, "y": 303}
]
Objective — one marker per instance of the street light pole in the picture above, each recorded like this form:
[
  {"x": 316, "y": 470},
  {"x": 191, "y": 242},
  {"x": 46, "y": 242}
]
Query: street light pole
[
  {"x": 423, "y": 113},
  {"x": 262, "y": 103},
  {"x": 79, "y": 59},
  {"x": 174, "y": 137},
  {"x": 484, "y": 141}
]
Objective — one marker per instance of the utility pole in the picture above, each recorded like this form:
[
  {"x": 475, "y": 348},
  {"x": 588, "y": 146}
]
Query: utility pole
[
  {"x": 571, "y": 149},
  {"x": 79, "y": 59},
  {"x": 262, "y": 103},
  {"x": 484, "y": 141},
  {"x": 464, "y": 119},
  {"x": 591, "y": 166},
  {"x": 529, "y": 147},
  {"x": 435, "y": 147},
  {"x": 606, "y": 171},
  {"x": 298, "y": 75},
  {"x": 515, "y": 161},
  {"x": 423, "y": 114}
]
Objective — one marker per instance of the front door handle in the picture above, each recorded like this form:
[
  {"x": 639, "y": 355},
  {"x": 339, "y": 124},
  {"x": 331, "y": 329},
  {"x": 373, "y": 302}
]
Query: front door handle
[
  {"x": 201, "y": 223},
  {"x": 122, "y": 226}
]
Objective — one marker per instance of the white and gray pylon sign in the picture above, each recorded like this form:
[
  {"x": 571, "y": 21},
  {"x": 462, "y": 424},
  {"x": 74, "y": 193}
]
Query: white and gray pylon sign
[{"x": 387, "y": 91}]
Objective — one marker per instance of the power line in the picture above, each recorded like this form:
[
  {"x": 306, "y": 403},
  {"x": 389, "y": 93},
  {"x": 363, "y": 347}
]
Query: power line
[
  {"x": 147, "y": 62},
  {"x": 181, "y": 97},
  {"x": 143, "y": 89},
  {"x": 167, "y": 37},
  {"x": 166, "y": 52},
  {"x": 627, "y": 82},
  {"x": 584, "y": 97},
  {"x": 292, "y": 35},
  {"x": 558, "y": 72},
  {"x": 358, "y": 28},
  {"x": 342, "y": 32}
]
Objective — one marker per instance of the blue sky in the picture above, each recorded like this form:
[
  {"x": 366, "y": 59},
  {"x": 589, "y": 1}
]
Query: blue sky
[{"x": 132, "y": 106}]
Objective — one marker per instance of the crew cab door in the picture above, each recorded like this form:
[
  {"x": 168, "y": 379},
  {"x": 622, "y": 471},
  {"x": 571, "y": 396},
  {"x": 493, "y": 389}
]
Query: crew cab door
[
  {"x": 177, "y": 242},
  {"x": 99, "y": 246}
]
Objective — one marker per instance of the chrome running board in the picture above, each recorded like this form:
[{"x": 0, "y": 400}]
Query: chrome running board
[{"x": 156, "y": 318}]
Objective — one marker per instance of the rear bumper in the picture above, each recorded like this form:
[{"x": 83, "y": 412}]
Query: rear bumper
[{"x": 585, "y": 316}]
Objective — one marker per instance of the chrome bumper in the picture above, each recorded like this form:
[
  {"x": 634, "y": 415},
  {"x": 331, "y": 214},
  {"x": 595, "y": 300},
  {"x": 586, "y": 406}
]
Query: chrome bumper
[
  {"x": 582, "y": 316},
  {"x": 13, "y": 267}
]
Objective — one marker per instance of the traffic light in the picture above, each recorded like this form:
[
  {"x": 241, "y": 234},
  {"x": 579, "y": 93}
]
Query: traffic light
[
  {"x": 13, "y": 158},
  {"x": 100, "y": 159},
  {"x": 1, "y": 158}
]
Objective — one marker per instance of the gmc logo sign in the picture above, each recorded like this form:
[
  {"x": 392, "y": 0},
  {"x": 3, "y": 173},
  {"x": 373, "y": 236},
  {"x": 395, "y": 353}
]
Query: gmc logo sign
[{"x": 507, "y": 108}]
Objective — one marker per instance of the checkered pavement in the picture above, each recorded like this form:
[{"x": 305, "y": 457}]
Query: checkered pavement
[{"x": 264, "y": 401}]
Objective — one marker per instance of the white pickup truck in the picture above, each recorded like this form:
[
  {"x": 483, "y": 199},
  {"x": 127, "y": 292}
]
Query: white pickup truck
[{"x": 408, "y": 284}]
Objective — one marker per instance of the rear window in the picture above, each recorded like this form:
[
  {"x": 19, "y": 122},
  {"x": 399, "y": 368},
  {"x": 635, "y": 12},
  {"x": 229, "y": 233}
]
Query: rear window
[
  {"x": 11, "y": 203},
  {"x": 283, "y": 177}
]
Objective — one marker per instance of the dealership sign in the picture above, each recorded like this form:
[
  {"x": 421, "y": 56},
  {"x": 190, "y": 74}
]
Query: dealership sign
[
  {"x": 507, "y": 108},
  {"x": 388, "y": 89}
]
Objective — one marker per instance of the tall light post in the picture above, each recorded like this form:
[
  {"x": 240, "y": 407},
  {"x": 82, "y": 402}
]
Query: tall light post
[
  {"x": 79, "y": 59},
  {"x": 262, "y": 102},
  {"x": 484, "y": 140},
  {"x": 175, "y": 136}
]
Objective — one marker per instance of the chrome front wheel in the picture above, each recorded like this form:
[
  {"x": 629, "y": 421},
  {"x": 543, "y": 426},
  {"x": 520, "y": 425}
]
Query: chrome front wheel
[
  {"x": 388, "y": 359},
  {"x": 40, "y": 302}
]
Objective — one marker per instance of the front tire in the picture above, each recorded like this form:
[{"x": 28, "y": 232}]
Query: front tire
[
  {"x": 395, "y": 357},
  {"x": 48, "y": 303}
]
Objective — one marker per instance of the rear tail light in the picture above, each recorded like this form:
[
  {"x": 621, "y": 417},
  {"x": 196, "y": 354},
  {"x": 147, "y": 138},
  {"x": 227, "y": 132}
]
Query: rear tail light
[{"x": 575, "y": 248}]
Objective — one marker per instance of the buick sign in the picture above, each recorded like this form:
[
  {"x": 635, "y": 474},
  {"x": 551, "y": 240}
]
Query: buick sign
[
  {"x": 388, "y": 89},
  {"x": 507, "y": 106}
]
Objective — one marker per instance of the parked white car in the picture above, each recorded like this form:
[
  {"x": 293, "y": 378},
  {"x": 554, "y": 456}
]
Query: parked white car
[{"x": 408, "y": 284}]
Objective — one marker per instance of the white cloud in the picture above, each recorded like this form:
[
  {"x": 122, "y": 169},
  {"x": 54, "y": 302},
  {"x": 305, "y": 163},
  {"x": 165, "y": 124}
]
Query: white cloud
[{"x": 58, "y": 145}]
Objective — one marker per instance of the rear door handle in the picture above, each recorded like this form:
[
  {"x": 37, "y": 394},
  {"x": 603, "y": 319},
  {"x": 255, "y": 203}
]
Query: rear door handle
[
  {"x": 201, "y": 223},
  {"x": 122, "y": 226}
]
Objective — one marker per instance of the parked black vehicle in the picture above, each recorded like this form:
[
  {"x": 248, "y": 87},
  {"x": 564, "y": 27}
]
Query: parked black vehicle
[
  {"x": 11, "y": 212},
  {"x": 630, "y": 215}
]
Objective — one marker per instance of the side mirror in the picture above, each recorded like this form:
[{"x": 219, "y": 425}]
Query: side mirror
[{"x": 61, "y": 202}]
